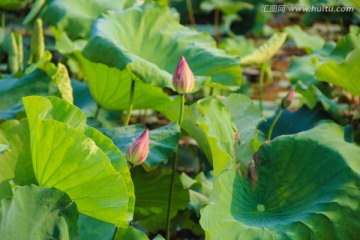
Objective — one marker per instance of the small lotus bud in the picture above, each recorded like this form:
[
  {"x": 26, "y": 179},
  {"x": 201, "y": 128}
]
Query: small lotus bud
[
  {"x": 139, "y": 150},
  {"x": 288, "y": 99},
  {"x": 183, "y": 78}
]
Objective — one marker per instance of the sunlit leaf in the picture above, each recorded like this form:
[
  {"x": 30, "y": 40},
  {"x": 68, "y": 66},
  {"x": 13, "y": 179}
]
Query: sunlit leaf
[
  {"x": 15, "y": 163},
  {"x": 78, "y": 160},
  {"x": 148, "y": 42}
]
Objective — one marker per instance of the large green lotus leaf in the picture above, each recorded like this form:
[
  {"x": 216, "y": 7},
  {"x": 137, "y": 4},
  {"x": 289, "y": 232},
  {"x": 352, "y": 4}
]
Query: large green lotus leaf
[
  {"x": 212, "y": 126},
  {"x": 37, "y": 213},
  {"x": 345, "y": 74},
  {"x": 295, "y": 122},
  {"x": 152, "y": 192},
  {"x": 266, "y": 51},
  {"x": 162, "y": 141},
  {"x": 77, "y": 17},
  {"x": 15, "y": 163},
  {"x": 78, "y": 160},
  {"x": 308, "y": 188},
  {"x": 110, "y": 88},
  {"x": 12, "y": 90},
  {"x": 148, "y": 41},
  {"x": 246, "y": 117},
  {"x": 304, "y": 40}
]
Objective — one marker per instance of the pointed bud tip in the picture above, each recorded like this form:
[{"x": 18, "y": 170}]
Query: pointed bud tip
[
  {"x": 288, "y": 99},
  {"x": 139, "y": 149},
  {"x": 183, "y": 78}
]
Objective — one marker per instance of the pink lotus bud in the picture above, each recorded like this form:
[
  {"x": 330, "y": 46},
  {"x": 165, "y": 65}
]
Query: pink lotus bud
[
  {"x": 183, "y": 78},
  {"x": 288, "y": 99},
  {"x": 139, "y": 150}
]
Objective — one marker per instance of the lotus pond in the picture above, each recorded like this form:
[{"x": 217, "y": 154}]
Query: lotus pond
[{"x": 182, "y": 119}]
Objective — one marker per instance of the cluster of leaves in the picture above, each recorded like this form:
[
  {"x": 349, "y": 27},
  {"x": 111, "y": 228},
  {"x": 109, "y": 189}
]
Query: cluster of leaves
[{"x": 63, "y": 172}]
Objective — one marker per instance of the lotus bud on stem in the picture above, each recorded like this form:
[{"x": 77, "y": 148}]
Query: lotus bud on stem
[
  {"x": 139, "y": 149},
  {"x": 183, "y": 82},
  {"x": 285, "y": 103},
  {"x": 37, "y": 43}
]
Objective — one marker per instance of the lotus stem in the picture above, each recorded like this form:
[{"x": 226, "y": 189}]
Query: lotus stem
[
  {"x": 131, "y": 103},
  {"x": 182, "y": 109},
  {"x": 261, "y": 86},
  {"x": 191, "y": 13},
  {"x": 274, "y": 123},
  {"x": 168, "y": 220},
  {"x": 97, "y": 111}
]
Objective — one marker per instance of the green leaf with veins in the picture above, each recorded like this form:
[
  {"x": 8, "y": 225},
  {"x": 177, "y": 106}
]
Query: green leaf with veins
[
  {"x": 15, "y": 163},
  {"x": 152, "y": 192},
  {"x": 79, "y": 160},
  {"x": 345, "y": 75},
  {"x": 247, "y": 117},
  {"x": 38, "y": 213},
  {"x": 211, "y": 125},
  {"x": 308, "y": 187},
  {"x": 148, "y": 42},
  {"x": 163, "y": 141},
  {"x": 110, "y": 87},
  {"x": 266, "y": 51}
]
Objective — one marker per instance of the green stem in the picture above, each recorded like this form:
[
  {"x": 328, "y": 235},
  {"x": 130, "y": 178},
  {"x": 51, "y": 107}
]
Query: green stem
[
  {"x": 131, "y": 103},
  {"x": 274, "y": 123},
  {"x": 191, "y": 13},
  {"x": 97, "y": 111},
  {"x": 182, "y": 109},
  {"x": 261, "y": 87},
  {"x": 173, "y": 174}
]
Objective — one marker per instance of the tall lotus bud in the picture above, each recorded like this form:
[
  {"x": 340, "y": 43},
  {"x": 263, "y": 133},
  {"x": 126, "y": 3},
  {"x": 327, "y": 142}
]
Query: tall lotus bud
[
  {"x": 139, "y": 150},
  {"x": 37, "y": 43},
  {"x": 183, "y": 78},
  {"x": 288, "y": 99}
]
